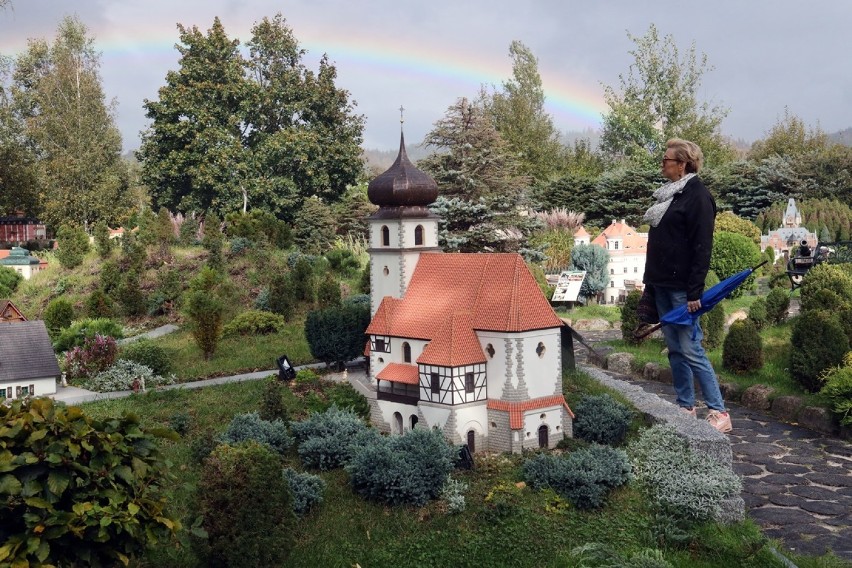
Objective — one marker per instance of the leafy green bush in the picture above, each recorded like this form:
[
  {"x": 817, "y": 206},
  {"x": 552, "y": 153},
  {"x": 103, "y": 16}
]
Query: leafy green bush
[
  {"x": 601, "y": 419},
  {"x": 258, "y": 226},
  {"x": 402, "y": 470},
  {"x": 79, "y": 331},
  {"x": 247, "y": 508},
  {"x": 777, "y": 305},
  {"x": 271, "y": 403},
  {"x": 679, "y": 481},
  {"x": 758, "y": 314},
  {"x": 146, "y": 352},
  {"x": 73, "y": 244},
  {"x": 731, "y": 254},
  {"x": 130, "y": 295},
  {"x": 742, "y": 351},
  {"x": 342, "y": 261},
  {"x": 337, "y": 334},
  {"x": 817, "y": 342},
  {"x": 206, "y": 312},
  {"x": 251, "y": 426},
  {"x": 94, "y": 496},
  {"x": 9, "y": 280},
  {"x": 307, "y": 490},
  {"x": 123, "y": 375},
  {"x": 584, "y": 477},
  {"x": 630, "y": 317},
  {"x": 328, "y": 292},
  {"x": 110, "y": 276},
  {"x": 826, "y": 287},
  {"x": 838, "y": 390},
  {"x": 57, "y": 316},
  {"x": 326, "y": 440},
  {"x": 100, "y": 305},
  {"x": 254, "y": 322}
]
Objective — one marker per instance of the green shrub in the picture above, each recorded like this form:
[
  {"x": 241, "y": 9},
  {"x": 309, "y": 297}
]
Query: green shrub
[
  {"x": 742, "y": 351},
  {"x": 601, "y": 419},
  {"x": 402, "y": 470},
  {"x": 261, "y": 302},
  {"x": 680, "y": 482},
  {"x": 584, "y": 477},
  {"x": 180, "y": 422},
  {"x": 758, "y": 314},
  {"x": 203, "y": 445},
  {"x": 731, "y": 254},
  {"x": 247, "y": 508},
  {"x": 713, "y": 326},
  {"x": 251, "y": 426},
  {"x": 303, "y": 279},
  {"x": 103, "y": 244},
  {"x": 307, "y": 490},
  {"x": 838, "y": 390},
  {"x": 254, "y": 322},
  {"x": 57, "y": 316},
  {"x": 271, "y": 403},
  {"x": 777, "y": 305},
  {"x": 77, "y": 333},
  {"x": 818, "y": 342},
  {"x": 146, "y": 352},
  {"x": 327, "y": 440},
  {"x": 95, "y": 495},
  {"x": 94, "y": 356},
  {"x": 73, "y": 244},
  {"x": 283, "y": 295},
  {"x": 123, "y": 375},
  {"x": 453, "y": 493},
  {"x": 100, "y": 305},
  {"x": 166, "y": 295},
  {"x": 630, "y": 317},
  {"x": 826, "y": 287},
  {"x": 344, "y": 395},
  {"x": 337, "y": 334},
  {"x": 206, "y": 312},
  {"x": 239, "y": 244},
  {"x": 328, "y": 293},
  {"x": 110, "y": 276},
  {"x": 258, "y": 226},
  {"x": 9, "y": 280},
  {"x": 343, "y": 262},
  {"x": 130, "y": 295}
]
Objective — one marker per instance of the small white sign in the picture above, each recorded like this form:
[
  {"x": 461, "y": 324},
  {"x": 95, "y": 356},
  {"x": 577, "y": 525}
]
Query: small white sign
[{"x": 568, "y": 286}]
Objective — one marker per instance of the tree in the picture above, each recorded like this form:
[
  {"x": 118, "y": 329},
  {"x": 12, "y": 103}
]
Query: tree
[
  {"x": 727, "y": 221},
  {"x": 231, "y": 132},
  {"x": 594, "y": 259},
  {"x": 103, "y": 244},
  {"x": 314, "y": 228},
  {"x": 57, "y": 91},
  {"x": 206, "y": 310},
  {"x": 9, "y": 280},
  {"x": 520, "y": 118},
  {"x": 19, "y": 169},
  {"x": 731, "y": 254},
  {"x": 789, "y": 138},
  {"x": 73, "y": 245},
  {"x": 658, "y": 100},
  {"x": 76, "y": 491},
  {"x": 337, "y": 334}
]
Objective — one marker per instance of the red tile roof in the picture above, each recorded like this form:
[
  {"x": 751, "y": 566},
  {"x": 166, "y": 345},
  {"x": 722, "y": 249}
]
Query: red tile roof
[
  {"x": 630, "y": 237},
  {"x": 496, "y": 288},
  {"x": 455, "y": 344},
  {"x": 517, "y": 410},
  {"x": 400, "y": 373}
]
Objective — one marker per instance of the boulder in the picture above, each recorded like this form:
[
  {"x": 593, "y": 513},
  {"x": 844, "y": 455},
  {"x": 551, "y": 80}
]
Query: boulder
[
  {"x": 621, "y": 363},
  {"x": 818, "y": 419},
  {"x": 787, "y": 408},
  {"x": 757, "y": 397}
]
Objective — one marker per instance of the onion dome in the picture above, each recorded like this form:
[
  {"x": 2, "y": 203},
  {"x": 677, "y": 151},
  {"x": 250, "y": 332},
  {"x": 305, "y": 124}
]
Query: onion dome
[{"x": 402, "y": 185}]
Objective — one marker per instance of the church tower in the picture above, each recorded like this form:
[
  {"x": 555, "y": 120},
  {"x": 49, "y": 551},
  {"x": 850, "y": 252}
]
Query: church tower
[{"x": 402, "y": 228}]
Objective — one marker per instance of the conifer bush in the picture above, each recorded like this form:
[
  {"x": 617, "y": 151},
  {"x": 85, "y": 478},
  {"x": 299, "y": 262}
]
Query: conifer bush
[
  {"x": 777, "y": 305},
  {"x": 629, "y": 317},
  {"x": 57, "y": 316},
  {"x": 251, "y": 427},
  {"x": 826, "y": 287},
  {"x": 254, "y": 322},
  {"x": 307, "y": 490},
  {"x": 402, "y": 470},
  {"x": 271, "y": 403},
  {"x": 742, "y": 351},
  {"x": 247, "y": 508},
  {"x": 837, "y": 388},
  {"x": 76, "y": 334},
  {"x": 817, "y": 343},
  {"x": 327, "y": 440},
  {"x": 680, "y": 482},
  {"x": 601, "y": 419},
  {"x": 713, "y": 326},
  {"x": 148, "y": 353},
  {"x": 758, "y": 313},
  {"x": 100, "y": 305}
]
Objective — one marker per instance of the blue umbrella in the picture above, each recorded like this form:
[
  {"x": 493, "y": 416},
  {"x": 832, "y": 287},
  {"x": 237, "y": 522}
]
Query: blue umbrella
[{"x": 712, "y": 296}]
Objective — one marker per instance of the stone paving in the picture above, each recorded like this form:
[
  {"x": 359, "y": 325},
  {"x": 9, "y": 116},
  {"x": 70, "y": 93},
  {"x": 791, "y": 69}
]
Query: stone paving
[{"x": 797, "y": 484}]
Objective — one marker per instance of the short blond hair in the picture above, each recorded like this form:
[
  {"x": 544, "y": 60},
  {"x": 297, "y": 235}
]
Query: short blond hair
[{"x": 687, "y": 152}]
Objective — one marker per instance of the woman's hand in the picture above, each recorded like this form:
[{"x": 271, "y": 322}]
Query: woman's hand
[{"x": 692, "y": 306}]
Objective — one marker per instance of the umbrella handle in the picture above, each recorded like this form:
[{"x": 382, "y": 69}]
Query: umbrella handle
[{"x": 646, "y": 331}]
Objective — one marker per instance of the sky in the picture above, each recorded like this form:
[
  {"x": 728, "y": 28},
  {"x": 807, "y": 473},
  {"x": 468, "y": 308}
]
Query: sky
[{"x": 766, "y": 55}]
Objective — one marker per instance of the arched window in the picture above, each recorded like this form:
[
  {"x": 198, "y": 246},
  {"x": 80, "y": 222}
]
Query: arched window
[
  {"x": 418, "y": 235},
  {"x": 397, "y": 423},
  {"x": 542, "y": 436},
  {"x": 385, "y": 236},
  {"x": 540, "y": 349},
  {"x": 406, "y": 352},
  {"x": 413, "y": 421},
  {"x": 471, "y": 441}
]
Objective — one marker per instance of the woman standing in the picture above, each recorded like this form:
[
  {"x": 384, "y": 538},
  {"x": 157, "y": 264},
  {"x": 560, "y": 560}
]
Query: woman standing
[{"x": 679, "y": 245}]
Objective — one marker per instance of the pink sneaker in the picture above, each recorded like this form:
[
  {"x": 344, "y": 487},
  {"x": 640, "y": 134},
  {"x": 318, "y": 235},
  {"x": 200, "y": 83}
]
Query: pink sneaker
[
  {"x": 689, "y": 411},
  {"x": 721, "y": 421}
]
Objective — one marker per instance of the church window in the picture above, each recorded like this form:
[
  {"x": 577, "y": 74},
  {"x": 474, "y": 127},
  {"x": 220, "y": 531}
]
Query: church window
[
  {"x": 406, "y": 352},
  {"x": 418, "y": 235},
  {"x": 469, "y": 382},
  {"x": 436, "y": 383},
  {"x": 385, "y": 236}
]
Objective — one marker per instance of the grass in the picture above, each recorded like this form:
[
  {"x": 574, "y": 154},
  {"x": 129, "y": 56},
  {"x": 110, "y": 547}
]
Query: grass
[{"x": 504, "y": 524}]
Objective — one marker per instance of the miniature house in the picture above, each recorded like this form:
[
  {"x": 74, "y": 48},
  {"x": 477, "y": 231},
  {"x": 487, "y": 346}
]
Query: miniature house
[
  {"x": 466, "y": 343},
  {"x": 28, "y": 364}
]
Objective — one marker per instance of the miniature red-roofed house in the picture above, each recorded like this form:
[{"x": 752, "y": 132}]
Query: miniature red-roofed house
[
  {"x": 463, "y": 342},
  {"x": 627, "y": 250}
]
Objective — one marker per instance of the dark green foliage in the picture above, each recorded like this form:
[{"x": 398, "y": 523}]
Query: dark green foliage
[
  {"x": 742, "y": 351},
  {"x": 337, "y": 334},
  {"x": 838, "y": 390},
  {"x": 202, "y": 445},
  {"x": 629, "y": 317},
  {"x": 9, "y": 280},
  {"x": 364, "y": 283},
  {"x": 77, "y": 333},
  {"x": 584, "y": 477},
  {"x": 239, "y": 244},
  {"x": 358, "y": 299},
  {"x": 57, "y": 316},
  {"x": 271, "y": 404},
  {"x": 205, "y": 310},
  {"x": 818, "y": 342},
  {"x": 622, "y": 193},
  {"x": 110, "y": 276},
  {"x": 148, "y": 353},
  {"x": 342, "y": 261},
  {"x": 328, "y": 292},
  {"x": 133, "y": 253},
  {"x": 254, "y": 322},
  {"x": 731, "y": 254},
  {"x": 314, "y": 229},
  {"x": 247, "y": 508},
  {"x": 100, "y": 305},
  {"x": 212, "y": 240},
  {"x": 188, "y": 232},
  {"x": 282, "y": 295},
  {"x": 303, "y": 279},
  {"x": 826, "y": 287},
  {"x": 180, "y": 422},
  {"x": 327, "y": 440},
  {"x": 777, "y": 305},
  {"x": 73, "y": 246},
  {"x": 758, "y": 314},
  {"x": 402, "y": 470},
  {"x": 75, "y": 491},
  {"x": 166, "y": 295},
  {"x": 258, "y": 226},
  {"x": 307, "y": 490},
  {"x": 130, "y": 294},
  {"x": 251, "y": 426},
  {"x": 601, "y": 419}
]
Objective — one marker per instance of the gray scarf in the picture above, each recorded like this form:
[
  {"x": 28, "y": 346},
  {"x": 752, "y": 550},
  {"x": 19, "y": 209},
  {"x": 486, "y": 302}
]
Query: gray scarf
[{"x": 663, "y": 197}]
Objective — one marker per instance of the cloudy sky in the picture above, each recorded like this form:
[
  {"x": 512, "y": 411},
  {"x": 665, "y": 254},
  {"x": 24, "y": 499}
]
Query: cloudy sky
[{"x": 766, "y": 54}]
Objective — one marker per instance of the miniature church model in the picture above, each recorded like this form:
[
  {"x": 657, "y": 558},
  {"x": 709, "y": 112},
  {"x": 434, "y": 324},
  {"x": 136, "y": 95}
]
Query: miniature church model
[{"x": 465, "y": 343}]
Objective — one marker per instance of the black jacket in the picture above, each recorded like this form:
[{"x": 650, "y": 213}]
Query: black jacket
[{"x": 679, "y": 247}]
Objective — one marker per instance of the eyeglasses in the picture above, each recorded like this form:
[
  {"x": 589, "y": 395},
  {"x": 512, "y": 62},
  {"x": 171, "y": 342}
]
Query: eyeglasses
[{"x": 670, "y": 160}]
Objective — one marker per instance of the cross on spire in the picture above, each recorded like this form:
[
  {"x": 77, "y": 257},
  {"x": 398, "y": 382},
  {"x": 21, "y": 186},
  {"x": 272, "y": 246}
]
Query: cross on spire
[{"x": 401, "y": 117}]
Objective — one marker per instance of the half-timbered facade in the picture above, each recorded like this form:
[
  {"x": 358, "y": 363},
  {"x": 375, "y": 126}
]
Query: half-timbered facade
[{"x": 463, "y": 342}]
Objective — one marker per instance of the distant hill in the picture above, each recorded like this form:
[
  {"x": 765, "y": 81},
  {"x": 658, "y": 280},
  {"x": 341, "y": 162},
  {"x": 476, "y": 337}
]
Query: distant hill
[
  {"x": 380, "y": 160},
  {"x": 842, "y": 137}
]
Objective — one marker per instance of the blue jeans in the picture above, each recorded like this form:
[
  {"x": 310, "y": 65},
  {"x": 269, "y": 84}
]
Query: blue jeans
[{"x": 686, "y": 355}]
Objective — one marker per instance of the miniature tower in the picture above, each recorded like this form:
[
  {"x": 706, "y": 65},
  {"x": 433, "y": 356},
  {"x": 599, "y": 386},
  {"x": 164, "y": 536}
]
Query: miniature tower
[{"x": 402, "y": 228}]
